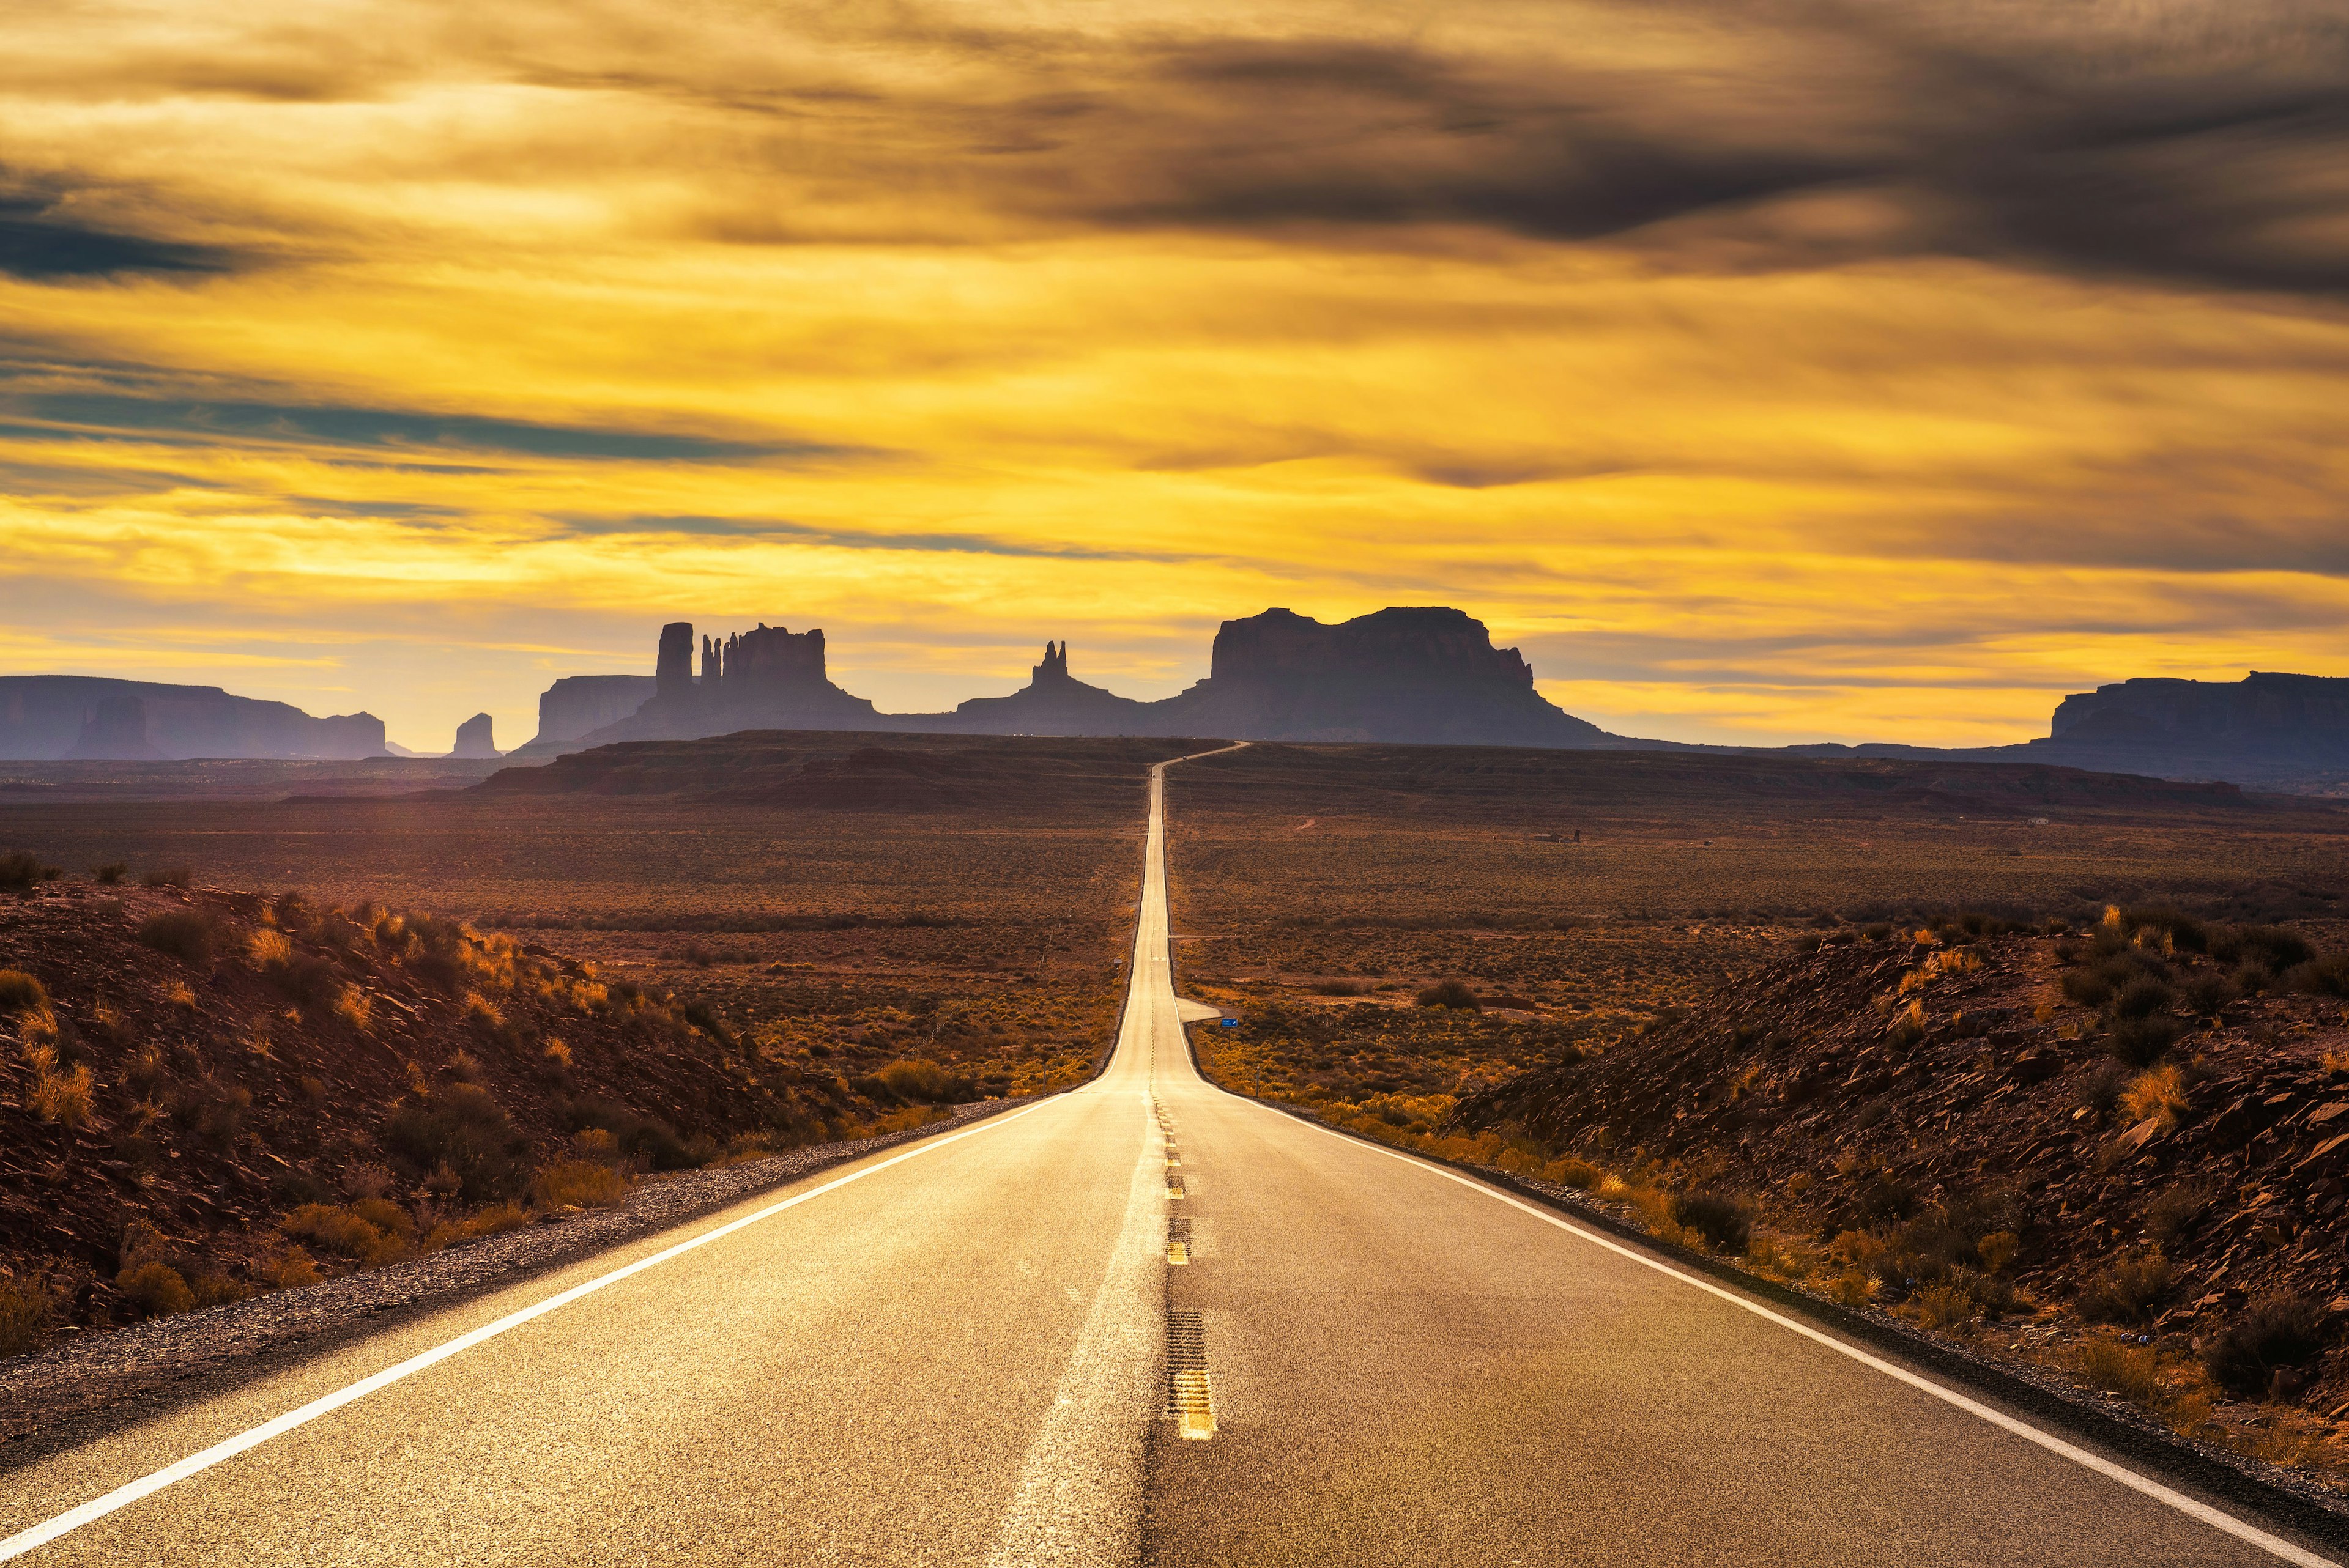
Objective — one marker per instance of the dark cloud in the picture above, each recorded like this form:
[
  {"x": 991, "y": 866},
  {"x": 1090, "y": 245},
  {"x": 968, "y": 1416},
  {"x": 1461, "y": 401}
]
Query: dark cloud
[
  {"x": 209, "y": 422},
  {"x": 2123, "y": 145},
  {"x": 40, "y": 240},
  {"x": 597, "y": 525}
]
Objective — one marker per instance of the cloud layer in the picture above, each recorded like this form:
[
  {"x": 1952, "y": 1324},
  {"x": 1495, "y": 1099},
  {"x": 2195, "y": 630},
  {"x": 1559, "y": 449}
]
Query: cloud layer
[{"x": 1780, "y": 368}]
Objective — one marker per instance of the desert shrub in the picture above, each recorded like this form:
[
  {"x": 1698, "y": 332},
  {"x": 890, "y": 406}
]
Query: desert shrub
[
  {"x": 2183, "y": 930},
  {"x": 2270, "y": 947},
  {"x": 649, "y": 1137},
  {"x": 295, "y": 1269},
  {"x": 2134, "y": 1372},
  {"x": 703, "y": 1017},
  {"x": 21, "y": 993},
  {"x": 1722, "y": 1221},
  {"x": 2325, "y": 976},
  {"x": 489, "y": 1221},
  {"x": 2088, "y": 987},
  {"x": 385, "y": 1215},
  {"x": 156, "y": 1289},
  {"x": 1944, "y": 1307},
  {"x": 1852, "y": 1288},
  {"x": 354, "y": 1233},
  {"x": 2141, "y": 1042},
  {"x": 2141, "y": 998},
  {"x": 65, "y": 1096},
  {"x": 21, "y": 872},
  {"x": 1450, "y": 994},
  {"x": 2272, "y": 1333},
  {"x": 466, "y": 1129},
  {"x": 578, "y": 1184},
  {"x": 24, "y": 1317},
  {"x": 2127, "y": 1292},
  {"x": 366, "y": 1179},
  {"x": 2208, "y": 992},
  {"x": 2175, "y": 1212},
  {"x": 187, "y": 934},
  {"x": 211, "y": 1287},
  {"x": 1571, "y": 1172},
  {"x": 925, "y": 1082},
  {"x": 108, "y": 874},
  {"x": 169, "y": 876},
  {"x": 313, "y": 982},
  {"x": 1996, "y": 1250}
]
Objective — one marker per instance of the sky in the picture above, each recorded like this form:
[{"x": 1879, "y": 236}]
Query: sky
[{"x": 1765, "y": 370}]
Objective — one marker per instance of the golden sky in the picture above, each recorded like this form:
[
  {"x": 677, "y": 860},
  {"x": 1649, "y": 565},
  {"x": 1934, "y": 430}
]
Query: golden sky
[{"x": 1767, "y": 371}]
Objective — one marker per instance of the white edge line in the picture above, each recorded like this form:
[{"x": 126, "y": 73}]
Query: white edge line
[
  {"x": 123, "y": 1496},
  {"x": 2192, "y": 1507}
]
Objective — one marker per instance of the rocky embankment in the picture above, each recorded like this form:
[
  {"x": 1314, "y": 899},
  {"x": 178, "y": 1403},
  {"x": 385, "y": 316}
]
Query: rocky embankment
[
  {"x": 2124, "y": 1149},
  {"x": 205, "y": 1095}
]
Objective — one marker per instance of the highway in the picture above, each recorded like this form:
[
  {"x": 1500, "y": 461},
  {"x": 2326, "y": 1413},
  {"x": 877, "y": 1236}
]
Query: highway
[{"x": 978, "y": 1349}]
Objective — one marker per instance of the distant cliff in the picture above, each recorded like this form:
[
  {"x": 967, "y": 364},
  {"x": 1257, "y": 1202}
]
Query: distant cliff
[
  {"x": 2282, "y": 733},
  {"x": 576, "y": 704},
  {"x": 47, "y": 717}
]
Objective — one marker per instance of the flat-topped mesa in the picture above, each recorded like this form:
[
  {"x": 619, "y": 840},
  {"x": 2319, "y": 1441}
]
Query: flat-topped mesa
[
  {"x": 2264, "y": 709},
  {"x": 1407, "y": 644},
  {"x": 1427, "y": 675},
  {"x": 45, "y": 718}
]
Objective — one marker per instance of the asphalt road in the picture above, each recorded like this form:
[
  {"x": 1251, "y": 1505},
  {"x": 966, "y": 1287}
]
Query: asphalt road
[{"x": 966, "y": 1351}]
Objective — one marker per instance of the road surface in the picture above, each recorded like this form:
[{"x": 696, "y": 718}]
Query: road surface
[{"x": 976, "y": 1349}]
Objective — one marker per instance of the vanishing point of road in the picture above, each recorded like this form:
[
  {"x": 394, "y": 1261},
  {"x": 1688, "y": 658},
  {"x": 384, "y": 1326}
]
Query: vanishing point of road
[{"x": 1017, "y": 1345}]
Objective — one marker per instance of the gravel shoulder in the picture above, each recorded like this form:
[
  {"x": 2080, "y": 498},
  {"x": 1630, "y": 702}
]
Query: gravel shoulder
[{"x": 53, "y": 1399}]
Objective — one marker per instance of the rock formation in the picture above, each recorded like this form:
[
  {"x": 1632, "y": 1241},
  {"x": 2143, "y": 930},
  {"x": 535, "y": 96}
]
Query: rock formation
[
  {"x": 45, "y": 718},
  {"x": 765, "y": 678},
  {"x": 673, "y": 670},
  {"x": 1053, "y": 702},
  {"x": 576, "y": 704},
  {"x": 1428, "y": 676},
  {"x": 474, "y": 739},
  {"x": 116, "y": 731},
  {"x": 2278, "y": 732}
]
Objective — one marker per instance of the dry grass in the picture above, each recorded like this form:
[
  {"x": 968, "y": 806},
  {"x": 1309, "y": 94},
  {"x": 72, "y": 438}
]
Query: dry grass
[
  {"x": 2134, "y": 1372},
  {"x": 21, "y": 993},
  {"x": 24, "y": 1313},
  {"x": 372, "y": 1232},
  {"x": 292, "y": 1270},
  {"x": 64, "y": 1096},
  {"x": 578, "y": 1184},
  {"x": 2159, "y": 1093}
]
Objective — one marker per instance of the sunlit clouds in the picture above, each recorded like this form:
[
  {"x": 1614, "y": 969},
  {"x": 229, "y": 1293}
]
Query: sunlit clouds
[{"x": 1784, "y": 372}]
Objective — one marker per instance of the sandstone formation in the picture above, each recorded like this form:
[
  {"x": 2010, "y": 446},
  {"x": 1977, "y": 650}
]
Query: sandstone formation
[
  {"x": 1053, "y": 702},
  {"x": 474, "y": 739},
  {"x": 1428, "y": 676},
  {"x": 765, "y": 678},
  {"x": 576, "y": 704},
  {"x": 2267, "y": 732},
  {"x": 47, "y": 717}
]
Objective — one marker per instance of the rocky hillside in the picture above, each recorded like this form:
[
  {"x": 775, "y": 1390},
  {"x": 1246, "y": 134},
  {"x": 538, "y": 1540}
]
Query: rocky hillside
[
  {"x": 2025, "y": 1136},
  {"x": 204, "y": 1094}
]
